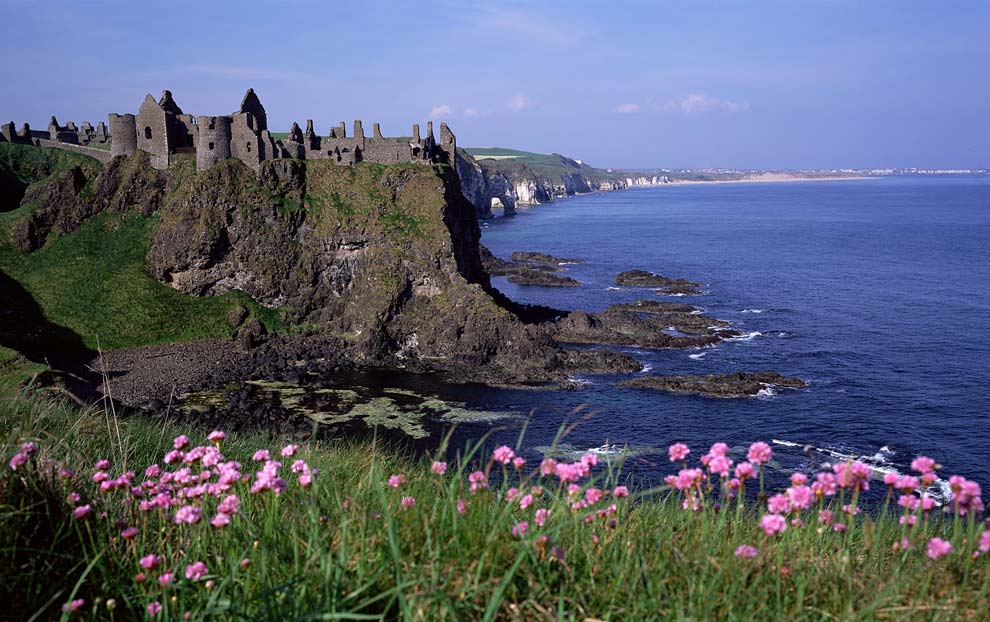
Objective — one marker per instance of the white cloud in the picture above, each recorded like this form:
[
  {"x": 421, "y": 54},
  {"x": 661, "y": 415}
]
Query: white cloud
[
  {"x": 627, "y": 108},
  {"x": 518, "y": 102},
  {"x": 696, "y": 103},
  {"x": 471, "y": 112},
  {"x": 438, "y": 112}
]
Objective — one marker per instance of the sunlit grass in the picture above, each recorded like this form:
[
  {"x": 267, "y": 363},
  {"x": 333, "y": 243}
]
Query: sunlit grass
[{"x": 375, "y": 533}]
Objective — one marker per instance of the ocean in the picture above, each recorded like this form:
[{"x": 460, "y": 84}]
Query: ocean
[{"x": 875, "y": 291}]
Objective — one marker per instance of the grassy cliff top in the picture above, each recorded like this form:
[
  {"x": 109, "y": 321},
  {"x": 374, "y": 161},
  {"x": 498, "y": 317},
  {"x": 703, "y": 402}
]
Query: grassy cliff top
[{"x": 516, "y": 164}]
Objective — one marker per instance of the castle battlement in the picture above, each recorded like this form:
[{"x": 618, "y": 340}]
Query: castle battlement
[{"x": 161, "y": 129}]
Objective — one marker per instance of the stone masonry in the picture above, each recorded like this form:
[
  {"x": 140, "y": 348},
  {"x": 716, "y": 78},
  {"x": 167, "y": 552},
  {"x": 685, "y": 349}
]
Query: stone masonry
[{"x": 161, "y": 129}]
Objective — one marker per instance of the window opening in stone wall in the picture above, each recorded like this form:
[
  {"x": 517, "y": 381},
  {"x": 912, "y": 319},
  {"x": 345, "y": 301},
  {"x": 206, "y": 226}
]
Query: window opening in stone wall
[
  {"x": 147, "y": 133},
  {"x": 211, "y": 146},
  {"x": 248, "y": 147}
]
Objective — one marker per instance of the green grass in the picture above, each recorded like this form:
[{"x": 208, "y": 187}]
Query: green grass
[
  {"x": 516, "y": 164},
  {"x": 93, "y": 281},
  {"x": 345, "y": 549}
]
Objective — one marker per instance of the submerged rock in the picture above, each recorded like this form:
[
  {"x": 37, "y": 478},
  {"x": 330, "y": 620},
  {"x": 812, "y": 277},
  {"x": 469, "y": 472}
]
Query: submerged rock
[{"x": 739, "y": 384}]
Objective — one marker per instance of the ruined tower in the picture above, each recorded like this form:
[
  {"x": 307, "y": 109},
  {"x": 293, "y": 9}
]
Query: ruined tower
[
  {"x": 123, "y": 134},
  {"x": 214, "y": 141}
]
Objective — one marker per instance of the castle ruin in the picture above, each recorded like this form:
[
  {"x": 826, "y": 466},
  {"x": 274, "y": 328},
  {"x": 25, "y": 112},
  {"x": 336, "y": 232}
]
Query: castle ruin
[{"x": 162, "y": 130}]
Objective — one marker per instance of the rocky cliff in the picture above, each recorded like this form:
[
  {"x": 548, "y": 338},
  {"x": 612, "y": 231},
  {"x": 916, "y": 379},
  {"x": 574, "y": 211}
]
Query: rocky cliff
[
  {"x": 384, "y": 258},
  {"x": 504, "y": 178}
]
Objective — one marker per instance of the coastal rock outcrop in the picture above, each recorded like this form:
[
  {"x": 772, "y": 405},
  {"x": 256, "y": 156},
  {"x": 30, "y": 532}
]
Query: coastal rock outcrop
[
  {"x": 541, "y": 278},
  {"x": 739, "y": 384},
  {"x": 385, "y": 258},
  {"x": 642, "y": 278},
  {"x": 622, "y": 327},
  {"x": 542, "y": 258}
]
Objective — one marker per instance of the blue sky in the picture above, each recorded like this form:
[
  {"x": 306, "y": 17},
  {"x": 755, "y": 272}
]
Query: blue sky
[{"x": 622, "y": 83}]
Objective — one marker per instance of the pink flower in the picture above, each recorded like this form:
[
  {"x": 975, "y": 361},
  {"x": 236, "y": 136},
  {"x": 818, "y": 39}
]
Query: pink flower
[
  {"x": 746, "y": 551},
  {"x": 773, "y": 524},
  {"x": 195, "y": 571},
  {"x": 216, "y": 436},
  {"x": 129, "y": 534},
  {"x": 289, "y": 450},
  {"x": 245, "y": 562},
  {"x": 153, "y": 471},
  {"x": 801, "y": 497},
  {"x": 518, "y": 462},
  {"x": 180, "y": 441},
  {"x": 779, "y": 504},
  {"x": 140, "y": 578},
  {"x": 526, "y": 501},
  {"x": 66, "y": 473},
  {"x": 825, "y": 485},
  {"x": 720, "y": 465},
  {"x": 927, "y": 504},
  {"x": 759, "y": 453},
  {"x": 299, "y": 466},
  {"x": 985, "y": 542},
  {"x": 855, "y": 475},
  {"x": 678, "y": 452},
  {"x": 396, "y": 480},
  {"x": 262, "y": 455},
  {"x": 745, "y": 470},
  {"x": 542, "y": 514},
  {"x": 438, "y": 468},
  {"x": 592, "y": 495},
  {"x": 503, "y": 454},
  {"x": 589, "y": 459},
  {"x": 923, "y": 464},
  {"x": 306, "y": 479},
  {"x": 220, "y": 521},
  {"x": 620, "y": 491},
  {"x": 73, "y": 606},
  {"x": 688, "y": 478},
  {"x": 102, "y": 465},
  {"x": 29, "y": 448},
  {"x": 461, "y": 506},
  {"x": 165, "y": 578},
  {"x": 18, "y": 460},
  {"x": 825, "y": 517},
  {"x": 511, "y": 493},
  {"x": 407, "y": 502},
  {"x": 890, "y": 479},
  {"x": 937, "y": 547},
  {"x": 478, "y": 481},
  {"x": 519, "y": 529},
  {"x": 154, "y": 608},
  {"x": 798, "y": 479},
  {"x": 188, "y": 514},
  {"x": 173, "y": 456},
  {"x": 548, "y": 467},
  {"x": 82, "y": 511},
  {"x": 150, "y": 562}
]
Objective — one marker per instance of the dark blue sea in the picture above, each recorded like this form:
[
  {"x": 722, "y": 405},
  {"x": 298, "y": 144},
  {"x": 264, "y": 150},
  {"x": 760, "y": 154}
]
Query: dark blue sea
[{"x": 875, "y": 291}]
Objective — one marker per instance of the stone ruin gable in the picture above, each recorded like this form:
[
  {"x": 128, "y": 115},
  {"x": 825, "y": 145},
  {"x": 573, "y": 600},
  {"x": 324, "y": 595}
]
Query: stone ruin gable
[
  {"x": 153, "y": 132},
  {"x": 248, "y": 143},
  {"x": 252, "y": 106}
]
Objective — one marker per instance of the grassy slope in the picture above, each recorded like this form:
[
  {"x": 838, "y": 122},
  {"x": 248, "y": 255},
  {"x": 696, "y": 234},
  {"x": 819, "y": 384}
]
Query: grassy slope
[
  {"x": 93, "y": 281},
  {"x": 526, "y": 163},
  {"x": 345, "y": 548}
]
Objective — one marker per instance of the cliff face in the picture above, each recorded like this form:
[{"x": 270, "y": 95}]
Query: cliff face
[
  {"x": 385, "y": 258},
  {"x": 506, "y": 178}
]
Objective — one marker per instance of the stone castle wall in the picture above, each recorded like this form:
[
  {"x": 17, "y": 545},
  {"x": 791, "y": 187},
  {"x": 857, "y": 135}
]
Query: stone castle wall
[{"x": 161, "y": 129}]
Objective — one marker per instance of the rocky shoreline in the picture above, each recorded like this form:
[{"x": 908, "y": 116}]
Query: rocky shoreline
[{"x": 739, "y": 384}]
